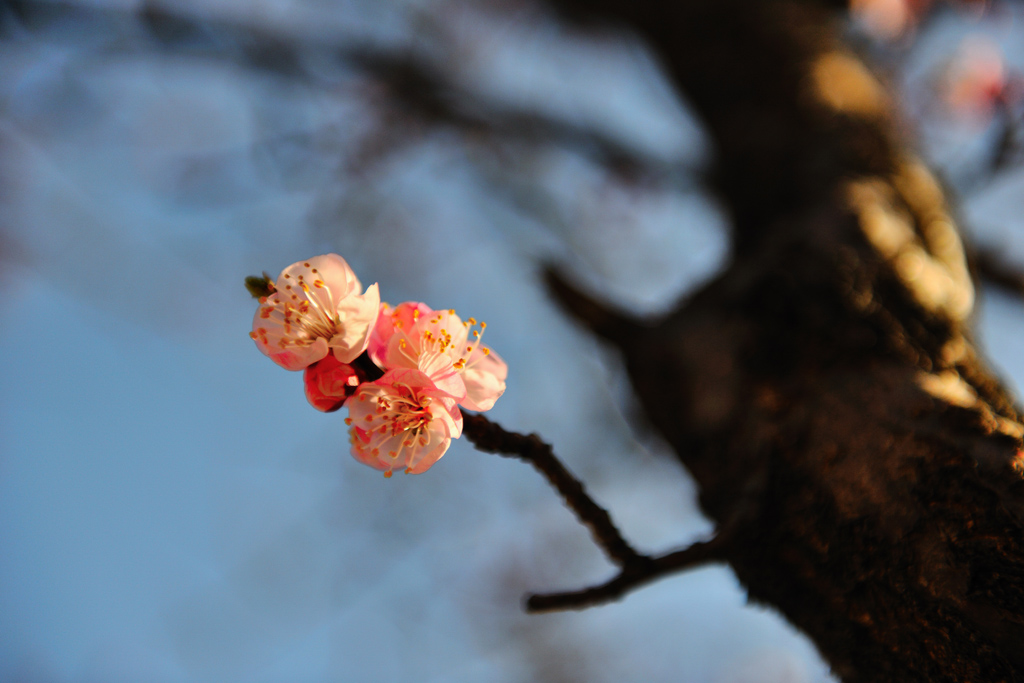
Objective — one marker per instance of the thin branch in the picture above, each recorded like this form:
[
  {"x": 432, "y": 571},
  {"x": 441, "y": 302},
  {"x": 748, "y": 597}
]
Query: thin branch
[
  {"x": 635, "y": 569},
  {"x": 492, "y": 438},
  {"x": 633, "y": 575}
]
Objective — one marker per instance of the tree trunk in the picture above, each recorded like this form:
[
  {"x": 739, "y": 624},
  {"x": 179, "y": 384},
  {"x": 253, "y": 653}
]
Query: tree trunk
[{"x": 824, "y": 390}]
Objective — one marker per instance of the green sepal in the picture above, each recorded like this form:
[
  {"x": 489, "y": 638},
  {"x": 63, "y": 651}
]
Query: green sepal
[{"x": 260, "y": 286}]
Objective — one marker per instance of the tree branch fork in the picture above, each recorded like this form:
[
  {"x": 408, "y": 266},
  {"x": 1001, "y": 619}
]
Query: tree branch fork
[{"x": 635, "y": 569}]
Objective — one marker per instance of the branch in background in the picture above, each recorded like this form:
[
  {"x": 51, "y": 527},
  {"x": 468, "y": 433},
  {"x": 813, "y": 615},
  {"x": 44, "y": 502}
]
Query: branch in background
[
  {"x": 1006, "y": 153},
  {"x": 635, "y": 569},
  {"x": 596, "y": 316},
  {"x": 993, "y": 266},
  {"x": 417, "y": 88},
  {"x": 1007, "y": 149}
]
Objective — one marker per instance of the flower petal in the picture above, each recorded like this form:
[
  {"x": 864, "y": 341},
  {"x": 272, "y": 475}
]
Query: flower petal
[
  {"x": 358, "y": 314},
  {"x": 429, "y": 454},
  {"x": 291, "y": 357},
  {"x": 338, "y": 277},
  {"x": 484, "y": 378},
  {"x": 401, "y": 317}
]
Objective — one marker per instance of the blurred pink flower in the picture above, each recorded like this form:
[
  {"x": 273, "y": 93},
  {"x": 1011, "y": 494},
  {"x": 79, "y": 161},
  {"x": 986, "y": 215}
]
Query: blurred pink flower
[
  {"x": 442, "y": 346},
  {"x": 889, "y": 19},
  {"x": 402, "y": 420},
  {"x": 975, "y": 81},
  {"x": 329, "y": 382},
  {"x": 317, "y": 308}
]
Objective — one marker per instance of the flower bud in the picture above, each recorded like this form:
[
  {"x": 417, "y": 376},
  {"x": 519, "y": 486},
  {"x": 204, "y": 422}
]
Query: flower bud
[{"x": 329, "y": 382}]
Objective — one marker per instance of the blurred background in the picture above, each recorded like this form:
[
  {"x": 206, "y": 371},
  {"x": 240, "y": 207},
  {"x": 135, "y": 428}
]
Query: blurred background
[{"x": 171, "y": 509}]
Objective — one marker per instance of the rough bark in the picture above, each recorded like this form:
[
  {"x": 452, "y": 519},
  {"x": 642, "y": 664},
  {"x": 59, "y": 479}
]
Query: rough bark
[{"x": 824, "y": 390}]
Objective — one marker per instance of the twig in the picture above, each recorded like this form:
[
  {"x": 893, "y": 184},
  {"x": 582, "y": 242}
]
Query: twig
[
  {"x": 492, "y": 438},
  {"x": 633, "y": 575},
  {"x": 635, "y": 569}
]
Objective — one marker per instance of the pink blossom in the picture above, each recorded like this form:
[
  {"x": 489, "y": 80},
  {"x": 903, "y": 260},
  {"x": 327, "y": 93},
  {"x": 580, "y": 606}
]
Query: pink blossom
[
  {"x": 442, "y": 346},
  {"x": 316, "y": 309},
  {"x": 976, "y": 81},
  {"x": 889, "y": 19},
  {"x": 402, "y": 420},
  {"x": 329, "y": 382},
  {"x": 484, "y": 375}
]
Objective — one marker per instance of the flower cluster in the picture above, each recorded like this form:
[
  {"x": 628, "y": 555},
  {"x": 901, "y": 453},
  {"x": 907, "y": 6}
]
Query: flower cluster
[{"x": 401, "y": 371}]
